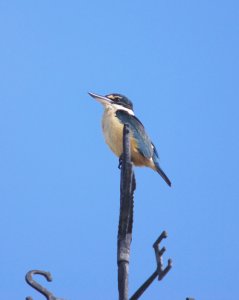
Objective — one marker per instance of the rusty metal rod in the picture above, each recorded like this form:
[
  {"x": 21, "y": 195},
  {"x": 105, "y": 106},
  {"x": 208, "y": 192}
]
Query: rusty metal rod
[{"x": 127, "y": 187}]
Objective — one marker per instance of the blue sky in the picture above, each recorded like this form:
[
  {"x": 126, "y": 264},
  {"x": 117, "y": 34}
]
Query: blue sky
[{"x": 59, "y": 183}]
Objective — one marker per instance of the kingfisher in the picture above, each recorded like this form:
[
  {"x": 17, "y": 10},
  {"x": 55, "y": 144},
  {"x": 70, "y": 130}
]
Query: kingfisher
[{"x": 118, "y": 110}]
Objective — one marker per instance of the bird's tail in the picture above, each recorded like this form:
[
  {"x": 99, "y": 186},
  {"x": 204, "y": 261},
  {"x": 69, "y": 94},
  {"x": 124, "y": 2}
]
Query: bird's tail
[{"x": 161, "y": 173}]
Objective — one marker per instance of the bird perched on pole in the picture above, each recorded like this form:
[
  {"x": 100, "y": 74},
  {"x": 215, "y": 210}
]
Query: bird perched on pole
[{"x": 119, "y": 111}]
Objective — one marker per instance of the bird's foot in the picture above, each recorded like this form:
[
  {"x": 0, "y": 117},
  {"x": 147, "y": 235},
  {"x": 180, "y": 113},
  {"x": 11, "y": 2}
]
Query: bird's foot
[{"x": 120, "y": 161}]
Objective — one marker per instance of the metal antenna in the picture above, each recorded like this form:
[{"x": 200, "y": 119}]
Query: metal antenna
[{"x": 127, "y": 188}]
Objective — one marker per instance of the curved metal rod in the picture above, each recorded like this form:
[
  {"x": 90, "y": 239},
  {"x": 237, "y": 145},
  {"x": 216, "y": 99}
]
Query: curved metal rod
[{"x": 37, "y": 286}]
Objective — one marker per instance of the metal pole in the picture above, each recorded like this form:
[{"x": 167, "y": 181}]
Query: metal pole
[{"x": 127, "y": 187}]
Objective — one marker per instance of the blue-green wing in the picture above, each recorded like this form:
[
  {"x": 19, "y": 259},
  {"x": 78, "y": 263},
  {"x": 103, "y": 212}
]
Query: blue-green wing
[{"x": 139, "y": 133}]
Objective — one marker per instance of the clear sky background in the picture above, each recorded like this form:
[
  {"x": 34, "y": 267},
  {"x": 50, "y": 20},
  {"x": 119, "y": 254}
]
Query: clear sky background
[{"x": 59, "y": 183}]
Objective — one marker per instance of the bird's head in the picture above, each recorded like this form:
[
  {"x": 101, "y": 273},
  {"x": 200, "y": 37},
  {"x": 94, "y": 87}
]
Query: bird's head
[{"x": 115, "y": 101}]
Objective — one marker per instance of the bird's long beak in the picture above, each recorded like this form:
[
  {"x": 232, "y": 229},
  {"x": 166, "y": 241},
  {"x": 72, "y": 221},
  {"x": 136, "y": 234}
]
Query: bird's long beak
[{"x": 102, "y": 99}]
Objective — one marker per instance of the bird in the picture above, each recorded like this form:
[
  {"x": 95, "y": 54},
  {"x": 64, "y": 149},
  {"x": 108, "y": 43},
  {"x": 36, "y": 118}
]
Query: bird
[{"x": 118, "y": 110}]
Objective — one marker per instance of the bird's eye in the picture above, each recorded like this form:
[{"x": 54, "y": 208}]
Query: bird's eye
[
  {"x": 113, "y": 97},
  {"x": 117, "y": 98}
]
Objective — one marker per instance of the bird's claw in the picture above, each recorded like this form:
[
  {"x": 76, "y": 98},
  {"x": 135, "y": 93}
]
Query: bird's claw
[{"x": 120, "y": 161}]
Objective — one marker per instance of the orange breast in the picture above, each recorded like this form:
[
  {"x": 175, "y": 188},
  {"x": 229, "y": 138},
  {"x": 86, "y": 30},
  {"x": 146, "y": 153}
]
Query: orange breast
[{"x": 113, "y": 133}]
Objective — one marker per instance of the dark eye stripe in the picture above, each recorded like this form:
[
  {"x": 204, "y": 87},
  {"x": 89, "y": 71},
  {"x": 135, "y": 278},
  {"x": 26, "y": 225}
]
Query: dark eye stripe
[{"x": 124, "y": 104}]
